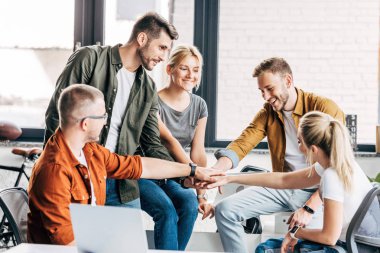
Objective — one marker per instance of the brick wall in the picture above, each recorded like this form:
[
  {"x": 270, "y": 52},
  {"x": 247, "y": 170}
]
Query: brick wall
[{"x": 331, "y": 45}]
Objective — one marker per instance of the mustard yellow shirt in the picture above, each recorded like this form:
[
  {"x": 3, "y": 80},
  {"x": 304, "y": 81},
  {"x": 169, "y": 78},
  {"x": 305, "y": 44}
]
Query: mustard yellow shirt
[{"x": 269, "y": 123}]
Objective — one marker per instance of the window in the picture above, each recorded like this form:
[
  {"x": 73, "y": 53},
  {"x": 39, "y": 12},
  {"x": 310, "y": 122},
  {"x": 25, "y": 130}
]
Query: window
[
  {"x": 36, "y": 43},
  {"x": 332, "y": 49},
  {"x": 331, "y": 46},
  {"x": 121, "y": 16}
]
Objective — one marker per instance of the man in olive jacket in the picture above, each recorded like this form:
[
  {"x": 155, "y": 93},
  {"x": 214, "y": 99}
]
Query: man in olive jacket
[{"x": 130, "y": 95}]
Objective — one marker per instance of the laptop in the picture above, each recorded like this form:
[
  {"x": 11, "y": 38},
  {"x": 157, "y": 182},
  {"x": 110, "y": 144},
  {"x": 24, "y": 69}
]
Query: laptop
[{"x": 105, "y": 229}]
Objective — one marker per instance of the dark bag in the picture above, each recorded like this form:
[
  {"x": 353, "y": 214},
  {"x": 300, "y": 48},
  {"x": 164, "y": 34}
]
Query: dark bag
[{"x": 253, "y": 226}]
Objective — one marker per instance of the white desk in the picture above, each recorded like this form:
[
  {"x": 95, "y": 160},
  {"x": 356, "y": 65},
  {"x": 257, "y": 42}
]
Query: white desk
[{"x": 42, "y": 248}]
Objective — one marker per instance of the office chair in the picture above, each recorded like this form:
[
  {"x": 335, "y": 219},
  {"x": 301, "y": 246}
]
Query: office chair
[
  {"x": 363, "y": 233},
  {"x": 13, "y": 226}
]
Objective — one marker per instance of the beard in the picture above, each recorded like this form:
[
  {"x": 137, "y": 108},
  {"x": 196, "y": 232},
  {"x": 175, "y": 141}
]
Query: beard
[
  {"x": 143, "y": 58},
  {"x": 282, "y": 99}
]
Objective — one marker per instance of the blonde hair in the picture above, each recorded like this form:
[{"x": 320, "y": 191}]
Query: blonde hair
[
  {"x": 76, "y": 97},
  {"x": 330, "y": 135},
  {"x": 180, "y": 52}
]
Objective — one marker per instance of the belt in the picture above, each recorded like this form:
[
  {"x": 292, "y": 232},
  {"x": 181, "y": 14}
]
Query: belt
[
  {"x": 310, "y": 190},
  {"x": 162, "y": 182}
]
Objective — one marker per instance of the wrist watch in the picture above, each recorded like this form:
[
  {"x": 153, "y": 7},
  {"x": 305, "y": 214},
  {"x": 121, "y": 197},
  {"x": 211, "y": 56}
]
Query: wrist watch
[
  {"x": 293, "y": 231},
  {"x": 308, "y": 209},
  {"x": 193, "y": 167},
  {"x": 202, "y": 196}
]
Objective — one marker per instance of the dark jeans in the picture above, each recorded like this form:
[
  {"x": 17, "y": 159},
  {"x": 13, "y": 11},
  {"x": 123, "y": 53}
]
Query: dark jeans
[
  {"x": 274, "y": 246},
  {"x": 173, "y": 209}
]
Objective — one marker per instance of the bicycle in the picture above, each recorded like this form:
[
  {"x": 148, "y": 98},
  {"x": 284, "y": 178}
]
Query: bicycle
[
  {"x": 8, "y": 132},
  {"x": 30, "y": 155}
]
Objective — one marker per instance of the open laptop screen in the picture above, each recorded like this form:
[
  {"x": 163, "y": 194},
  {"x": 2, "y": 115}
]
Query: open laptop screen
[{"x": 104, "y": 229}]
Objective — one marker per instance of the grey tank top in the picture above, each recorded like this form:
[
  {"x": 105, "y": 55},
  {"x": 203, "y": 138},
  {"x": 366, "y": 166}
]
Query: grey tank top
[{"x": 182, "y": 124}]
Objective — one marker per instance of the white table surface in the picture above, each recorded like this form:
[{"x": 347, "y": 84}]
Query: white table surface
[{"x": 43, "y": 248}]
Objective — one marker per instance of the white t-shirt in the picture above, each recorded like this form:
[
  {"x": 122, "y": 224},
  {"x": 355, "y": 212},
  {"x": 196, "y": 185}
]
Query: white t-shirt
[
  {"x": 293, "y": 156},
  {"x": 125, "y": 81},
  {"x": 331, "y": 187},
  {"x": 82, "y": 159}
]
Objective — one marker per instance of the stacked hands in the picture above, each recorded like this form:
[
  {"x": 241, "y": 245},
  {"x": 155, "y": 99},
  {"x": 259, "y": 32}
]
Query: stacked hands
[{"x": 206, "y": 178}]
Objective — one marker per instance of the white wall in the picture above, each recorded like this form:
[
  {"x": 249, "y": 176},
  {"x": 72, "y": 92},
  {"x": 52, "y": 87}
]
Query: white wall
[{"x": 331, "y": 45}]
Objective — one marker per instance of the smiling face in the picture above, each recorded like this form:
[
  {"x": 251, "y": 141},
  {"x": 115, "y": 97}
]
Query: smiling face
[
  {"x": 187, "y": 74},
  {"x": 274, "y": 89},
  {"x": 152, "y": 52}
]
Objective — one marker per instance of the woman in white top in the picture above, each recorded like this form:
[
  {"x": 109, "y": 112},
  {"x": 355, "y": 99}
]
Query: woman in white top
[{"x": 343, "y": 185}]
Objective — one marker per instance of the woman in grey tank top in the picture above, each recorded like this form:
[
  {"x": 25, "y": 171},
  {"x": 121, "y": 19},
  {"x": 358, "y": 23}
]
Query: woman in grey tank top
[{"x": 183, "y": 116}]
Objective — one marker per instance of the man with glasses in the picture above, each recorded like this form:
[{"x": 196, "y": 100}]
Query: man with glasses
[
  {"x": 103, "y": 117},
  {"x": 73, "y": 168}
]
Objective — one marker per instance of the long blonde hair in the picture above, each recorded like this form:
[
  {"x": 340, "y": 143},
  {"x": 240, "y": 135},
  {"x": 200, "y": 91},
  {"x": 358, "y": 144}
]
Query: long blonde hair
[
  {"x": 330, "y": 135},
  {"x": 180, "y": 52}
]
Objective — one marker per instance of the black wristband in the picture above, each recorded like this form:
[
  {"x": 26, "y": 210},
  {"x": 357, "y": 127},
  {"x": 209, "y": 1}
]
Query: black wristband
[
  {"x": 308, "y": 209},
  {"x": 193, "y": 167}
]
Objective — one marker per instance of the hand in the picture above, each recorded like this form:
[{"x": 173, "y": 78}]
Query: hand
[
  {"x": 218, "y": 181},
  {"x": 288, "y": 243},
  {"x": 300, "y": 217},
  {"x": 206, "y": 209},
  {"x": 207, "y": 175},
  {"x": 189, "y": 182}
]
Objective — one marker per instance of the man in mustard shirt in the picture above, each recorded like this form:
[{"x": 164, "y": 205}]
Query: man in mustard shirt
[{"x": 278, "y": 121}]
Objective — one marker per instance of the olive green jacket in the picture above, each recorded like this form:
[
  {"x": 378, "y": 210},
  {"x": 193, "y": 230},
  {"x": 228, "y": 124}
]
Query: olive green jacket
[{"x": 97, "y": 66}]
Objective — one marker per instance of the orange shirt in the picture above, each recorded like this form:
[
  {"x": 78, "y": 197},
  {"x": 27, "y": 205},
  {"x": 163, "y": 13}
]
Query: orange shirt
[{"x": 58, "y": 179}]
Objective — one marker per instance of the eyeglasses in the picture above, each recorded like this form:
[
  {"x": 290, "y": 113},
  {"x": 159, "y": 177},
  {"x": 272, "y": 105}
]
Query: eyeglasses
[{"x": 103, "y": 117}]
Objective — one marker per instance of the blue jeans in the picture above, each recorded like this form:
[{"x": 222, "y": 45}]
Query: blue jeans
[
  {"x": 173, "y": 209},
  {"x": 253, "y": 202},
  {"x": 274, "y": 246},
  {"x": 113, "y": 198}
]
